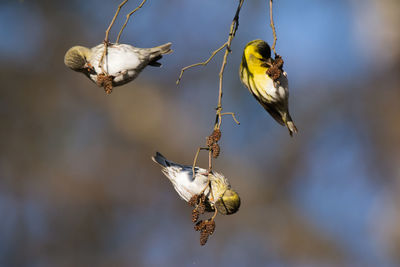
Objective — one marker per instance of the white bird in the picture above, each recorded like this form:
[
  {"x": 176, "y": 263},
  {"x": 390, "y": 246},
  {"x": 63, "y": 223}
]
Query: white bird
[
  {"x": 225, "y": 200},
  {"x": 122, "y": 62}
]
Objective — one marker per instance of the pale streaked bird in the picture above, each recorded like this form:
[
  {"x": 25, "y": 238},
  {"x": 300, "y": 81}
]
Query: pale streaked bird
[
  {"x": 123, "y": 62},
  {"x": 223, "y": 198},
  {"x": 272, "y": 95}
]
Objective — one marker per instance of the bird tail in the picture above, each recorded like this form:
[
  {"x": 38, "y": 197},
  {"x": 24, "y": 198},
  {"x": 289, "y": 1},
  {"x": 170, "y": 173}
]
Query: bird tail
[
  {"x": 290, "y": 124},
  {"x": 157, "y": 52},
  {"x": 160, "y": 159},
  {"x": 164, "y": 49},
  {"x": 283, "y": 118}
]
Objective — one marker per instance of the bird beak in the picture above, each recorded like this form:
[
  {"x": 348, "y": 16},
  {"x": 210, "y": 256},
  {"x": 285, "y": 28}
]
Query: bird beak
[{"x": 89, "y": 68}]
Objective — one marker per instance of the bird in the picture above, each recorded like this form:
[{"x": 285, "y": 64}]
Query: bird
[
  {"x": 267, "y": 82},
  {"x": 121, "y": 64},
  {"x": 187, "y": 185}
]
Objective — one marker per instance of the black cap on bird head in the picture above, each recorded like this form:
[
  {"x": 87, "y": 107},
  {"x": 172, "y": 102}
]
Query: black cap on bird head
[
  {"x": 229, "y": 203},
  {"x": 260, "y": 47}
]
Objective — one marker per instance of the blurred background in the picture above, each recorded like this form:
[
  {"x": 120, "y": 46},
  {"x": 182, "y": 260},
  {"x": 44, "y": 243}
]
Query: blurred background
[{"x": 78, "y": 187}]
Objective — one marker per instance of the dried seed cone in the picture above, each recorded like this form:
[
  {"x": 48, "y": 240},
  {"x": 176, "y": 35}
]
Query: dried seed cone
[
  {"x": 203, "y": 238},
  {"x": 106, "y": 82},
  {"x": 200, "y": 225},
  {"x": 216, "y": 135},
  {"x": 278, "y": 61},
  {"x": 195, "y": 215},
  {"x": 274, "y": 72},
  {"x": 210, "y": 227},
  {"x": 194, "y": 200},
  {"x": 209, "y": 141},
  {"x": 108, "y": 88},
  {"x": 215, "y": 150},
  {"x": 201, "y": 207}
]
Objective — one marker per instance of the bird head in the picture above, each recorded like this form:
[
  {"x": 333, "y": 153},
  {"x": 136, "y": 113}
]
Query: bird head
[
  {"x": 229, "y": 203},
  {"x": 257, "y": 48},
  {"x": 76, "y": 58}
]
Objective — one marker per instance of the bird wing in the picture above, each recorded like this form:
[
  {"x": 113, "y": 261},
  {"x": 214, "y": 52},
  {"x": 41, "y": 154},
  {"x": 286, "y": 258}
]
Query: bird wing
[
  {"x": 120, "y": 58},
  {"x": 181, "y": 176}
]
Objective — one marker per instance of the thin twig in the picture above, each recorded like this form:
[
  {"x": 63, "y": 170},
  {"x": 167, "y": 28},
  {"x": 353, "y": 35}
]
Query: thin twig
[
  {"x": 114, "y": 18},
  {"x": 195, "y": 158},
  {"x": 106, "y": 39},
  {"x": 233, "y": 116},
  {"x": 201, "y": 63},
  {"x": 209, "y": 164},
  {"x": 127, "y": 19},
  {"x": 208, "y": 184},
  {"x": 232, "y": 32},
  {"x": 101, "y": 62},
  {"x": 215, "y": 214},
  {"x": 272, "y": 26},
  {"x": 208, "y": 173}
]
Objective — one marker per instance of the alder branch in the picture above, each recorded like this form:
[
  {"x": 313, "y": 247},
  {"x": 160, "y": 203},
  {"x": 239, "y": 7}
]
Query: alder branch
[
  {"x": 218, "y": 120},
  {"x": 212, "y": 141}
]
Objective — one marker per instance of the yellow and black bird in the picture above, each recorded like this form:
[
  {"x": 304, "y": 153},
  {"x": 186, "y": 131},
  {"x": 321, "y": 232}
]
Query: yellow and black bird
[
  {"x": 221, "y": 196},
  {"x": 271, "y": 90}
]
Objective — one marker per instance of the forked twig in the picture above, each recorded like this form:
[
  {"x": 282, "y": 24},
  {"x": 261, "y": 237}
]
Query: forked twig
[
  {"x": 218, "y": 119},
  {"x": 106, "y": 39},
  {"x": 233, "y": 117},
  {"x": 127, "y": 19},
  {"x": 272, "y": 26},
  {"x": 114, "y": 18},
  {"x": 215, "y": 52},
  {"x": 232, "y": 32}
]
